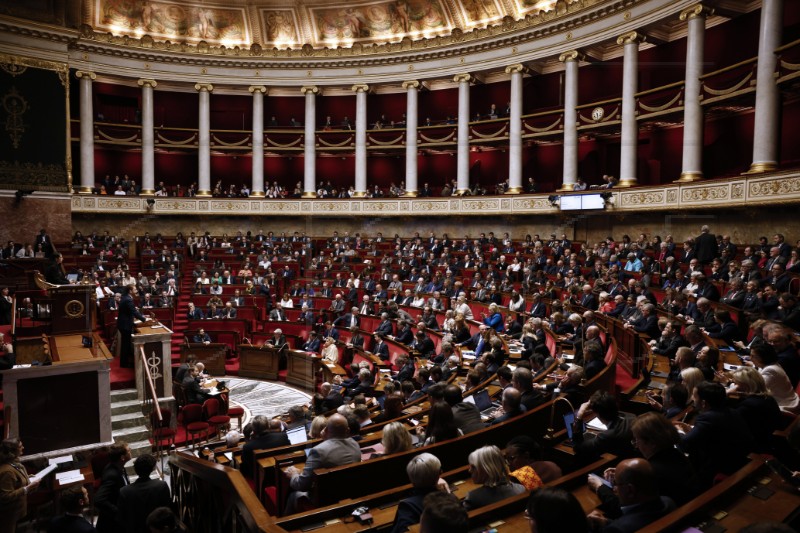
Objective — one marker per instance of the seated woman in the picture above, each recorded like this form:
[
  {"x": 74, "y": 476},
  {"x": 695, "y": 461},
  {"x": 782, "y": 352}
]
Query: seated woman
[
  {"x": 488, "y": 468},
  {"x": 523, "y": 455},
  {"x": 423, "y": 472},
  {"x": 396, "y": 439},
  {"x": 286, "y": 302},
  {"x": 441, "y": 425},
  {"x": 759, "y": 410},
  {"x": 330, "y": 352},
  {"x": 765, "y": 360},
  {"x": 392, "y": 408}
]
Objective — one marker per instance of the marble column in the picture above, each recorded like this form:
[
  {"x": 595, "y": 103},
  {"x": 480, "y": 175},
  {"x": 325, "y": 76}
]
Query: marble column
[
  {"x": 629, "y": 141},
  {"x": 412, "y": 113},
  {"x": 515, "y": 131},
  {"x": 361, "y": 91},
  {"x": 570, "y": 171},
  {"x": 204, "y": 140},
  {"x": 257, "y": 180},
  {"x": 462, "y": 157},
  {"x": 692, "y": 166},
  {"x": 87, "y": 131},
  {"x": 310, "y": 142},
  {"x": 148, "y": 138},
  {"x": 766, "y": 140}
]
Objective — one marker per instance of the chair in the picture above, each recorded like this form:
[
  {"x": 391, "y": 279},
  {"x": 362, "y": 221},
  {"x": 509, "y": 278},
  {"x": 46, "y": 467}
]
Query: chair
[
  {"x": 211, "y": 414},
  {"x": 162, "y": 430},
  {"x": 236, "y": 412},
  {"x": 192, "y": 420}
]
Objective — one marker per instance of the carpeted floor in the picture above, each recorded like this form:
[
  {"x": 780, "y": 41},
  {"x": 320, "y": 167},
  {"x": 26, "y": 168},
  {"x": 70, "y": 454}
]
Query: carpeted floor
[{"x": 264, "y": 398}]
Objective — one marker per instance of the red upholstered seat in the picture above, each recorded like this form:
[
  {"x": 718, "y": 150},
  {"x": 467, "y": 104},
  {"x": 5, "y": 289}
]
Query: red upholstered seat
[
  {"x": 211, "y": 413},
  {"x": 161, "y": 430},
  {"x": 192, "y": 420}
]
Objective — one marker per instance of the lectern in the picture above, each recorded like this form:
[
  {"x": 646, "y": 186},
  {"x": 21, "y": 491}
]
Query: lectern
[
  {"x": 72, "y": 307},
  {"x": 302, "y": 368},
  {"x": 156, "y": 341}
]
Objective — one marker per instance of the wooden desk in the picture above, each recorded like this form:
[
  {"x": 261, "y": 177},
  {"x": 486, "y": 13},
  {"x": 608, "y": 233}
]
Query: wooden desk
[
  {"x": 301, "y": 369},
  {"x": 211, "y": 355},
  {"x": 262, "y": 362}
]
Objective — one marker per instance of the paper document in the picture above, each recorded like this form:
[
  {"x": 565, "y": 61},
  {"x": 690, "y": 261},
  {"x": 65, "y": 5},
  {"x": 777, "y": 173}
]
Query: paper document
[
  {"x": 59, "y": 460},
  {"x": 40, "y": 475},
  {"x": 229, "y": 455},
  {"x": 595, "y": 424}
]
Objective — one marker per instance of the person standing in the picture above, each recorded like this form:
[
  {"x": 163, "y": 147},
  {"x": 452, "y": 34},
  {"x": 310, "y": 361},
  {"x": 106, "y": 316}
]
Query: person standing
[
  {"x": 14, "y": 485},
  {"x": 127, "y": 312},
  {"x": 107, "y": 496},
  {"x": 140, "y": 498}
]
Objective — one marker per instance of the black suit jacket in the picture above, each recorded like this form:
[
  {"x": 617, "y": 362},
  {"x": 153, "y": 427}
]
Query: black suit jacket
[
  {"x": 262, "y": 442},
  {"x": 127, "y": 311},
  {"x": 381, "y": 350},
  {"x": 718, "y": 443},
  {"x": 138, "y": 500},
  {"x": 615, "y": 440},
  {"x": 107, "y": 496}
]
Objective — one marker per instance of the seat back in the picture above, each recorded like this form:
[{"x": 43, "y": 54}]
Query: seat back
[
  {"x": 210, "y": 408},
  {"x": 166, "y": 419},
  {"x": 192, "y": 412}
]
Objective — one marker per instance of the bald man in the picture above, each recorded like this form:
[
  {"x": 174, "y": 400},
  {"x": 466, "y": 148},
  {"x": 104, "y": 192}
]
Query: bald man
[
  {"x": 638, "y": 497},
  {"x": 336, "y": 449}
]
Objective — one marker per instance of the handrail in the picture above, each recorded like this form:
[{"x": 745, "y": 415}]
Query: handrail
[
  {"x": 151, "y": 388},
  {"x": 729, "y": 68},
  {"x": 662, "y": 88},
  {"x": 786, "y": 46},
  {"x": 601, "y": 102}
]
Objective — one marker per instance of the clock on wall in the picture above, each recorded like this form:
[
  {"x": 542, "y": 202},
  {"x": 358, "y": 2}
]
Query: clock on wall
[{"x": 598, "y": 113}]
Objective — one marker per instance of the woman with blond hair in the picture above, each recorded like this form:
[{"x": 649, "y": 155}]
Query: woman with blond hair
[
  {"x": 758, "y": 409},
  {"x": 488, "y": 468},
  {"x": 330, "y": 352}
]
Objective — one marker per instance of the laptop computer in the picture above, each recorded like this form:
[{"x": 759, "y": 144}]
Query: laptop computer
[
  {"x": 297, "y": 435},
  {"x": 484, "y": 402}
]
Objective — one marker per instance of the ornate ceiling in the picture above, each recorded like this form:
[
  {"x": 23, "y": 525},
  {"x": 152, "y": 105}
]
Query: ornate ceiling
[{"x": 319, "y": 23}]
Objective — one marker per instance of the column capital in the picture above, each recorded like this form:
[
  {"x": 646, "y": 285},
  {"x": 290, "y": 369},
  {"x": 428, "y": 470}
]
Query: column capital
[
  {"x": 518, "y": 68},
  {"x": 631, "y": 37},
  {"x": 313, "y": 89},
  {"x": 147, "y": 83},
  {"x": 411, "y": 84},
  {"x": 465, "y": 77},
  {"x": 203, "y": 87},
  {"x": 572, "y": 55},
  {"x": 360, "y": 88},
  {"x": 696, "y": 11},
  {"x": 257, "y": 89},
  {"x": 85, "y": 74}
]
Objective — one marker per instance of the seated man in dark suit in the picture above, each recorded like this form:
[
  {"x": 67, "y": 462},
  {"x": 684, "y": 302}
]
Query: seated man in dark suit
[
  {"x": 380, "y": 348},
  {"x": 648, "y": 323},
  {"x": 465, "y": 415},
  {"x": 616, "y": 439},
  {"x": 312, "y": 344},
  {"x": 386, "y": 327},
  {"x": 423, "y": 344},
  {"x": 356, "y": 338},
  {"x": 331, "y": 399},
  {"x": 195, "y": 393},
  {"x": 202, "y": 337},
  {"x": 405, "y": 335},
  {"x": 671, "y": 339},
  {"x": 720, "y": 439},
  {"x": 639, "y": 499},
  {"x": 512, "y": 405},
  {"x": 193, "y": 313},
  {"x": 267, "y": 434}
]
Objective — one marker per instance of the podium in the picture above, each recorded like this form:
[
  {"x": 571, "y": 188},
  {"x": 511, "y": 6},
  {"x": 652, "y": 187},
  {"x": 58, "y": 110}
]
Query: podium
[
  {"x": 72, "y": 307},
  {"x": 64, "y": 407},
  {"x": 302, "y": 368},
  {"x": 156, "y": 340},
  {"x": 211, "y": 355},
  {"x": 260, "y": 362}
]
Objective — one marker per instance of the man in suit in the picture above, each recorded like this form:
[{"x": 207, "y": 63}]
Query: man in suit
[
  {"x": 107, "y": 496},
  {"x": 127, "y": 312},
  {"x": 720, "y": 440},
  {"x": 705, "y": 245},
  {"x": 348, "y": 320},
  {"x": 139, "y": 499},
  {"x": 195, "y": 393},
  {"x": 512, "y": 406},
  {"x": 331, "y": 399},
  {"x": 330, "y": 331},
  {"x": 671, "y": 339},
  {"x": 637, "y": 489},
  {"x": 267, "y": 434},
  {"x": 237, "y": 300},
  {"x": 423, "y": 344},
  {"x": 616, "y": 439},
  {"x": 356, "y": 338},
  {"x": 278, "y": 340},
  {"x": 277, "y": 315},
  {"x": 385, "y": 328},
  {"x": 337, "y": 305},
  {"x": 380, "y": 348},
  {"x": 229, "y": 311},
  {"x": 522, "y": 380},
  {"x": 336, "y": 449},
  {"x": 466, "y": 416},
  {"x": 648, "y": 323},
  {"x": 588, "y": 299},
  {"x": 405, "y": 335},
  {"x": 202, "y": 337},
  {"x": 193, "y": 313},
  {"x": 55, "y": 272},
  {"x": 74, "y": 501},
  {"x": 43, "y": 239},
  {"x": 312, "y": 344}
]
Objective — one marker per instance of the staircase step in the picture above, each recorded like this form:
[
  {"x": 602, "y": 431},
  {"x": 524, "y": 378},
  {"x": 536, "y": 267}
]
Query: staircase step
[
  {"x": 126, "y": 420},
  {"x": 126, "y": 407},
  {"x": 123, "y": 395},
  {"x": 132, "y": 434}
]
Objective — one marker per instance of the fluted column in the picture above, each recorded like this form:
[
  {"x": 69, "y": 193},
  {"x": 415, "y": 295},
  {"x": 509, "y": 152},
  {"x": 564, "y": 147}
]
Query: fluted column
[
  {"x": 361, "y": 91},
  {"x": 692, "y": 167},
  {"x": 148, "y": 138},
  {"x": 570, "y": 171},
  {"x": 310, "y": 143},
  {"x": 257, "y": 180},
  {"x": 87, "y": 131},
  {"x": 765, "y": 138},
  {"x": 515, "y": 131},
  {"x": 204, "y": 140},
  {"x": 630, "y": 130},
  {"x": 462, "y": 157},
  {"x": 412, "y": 91}
]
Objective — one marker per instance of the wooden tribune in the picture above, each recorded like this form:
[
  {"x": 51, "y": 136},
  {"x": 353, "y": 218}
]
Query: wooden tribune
[
  {"x": 211, "y": 355},
  {"x": 301, "y": 369},
  {"x": 260, "y": 362}
]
